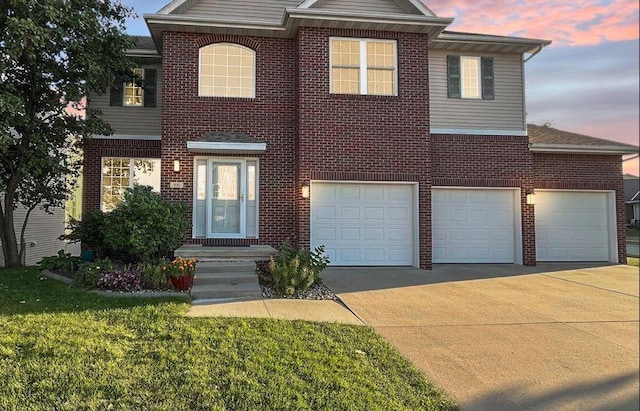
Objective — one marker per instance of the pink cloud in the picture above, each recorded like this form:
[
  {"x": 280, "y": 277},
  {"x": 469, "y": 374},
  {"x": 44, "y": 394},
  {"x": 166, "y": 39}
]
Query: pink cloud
[{"x": 578, "y": 22}]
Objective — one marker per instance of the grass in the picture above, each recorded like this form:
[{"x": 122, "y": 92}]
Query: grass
[
  {"x": 633, "y": 261},
  {"x": 633, "y": 234},
  {"x": 64, "y": 349}
]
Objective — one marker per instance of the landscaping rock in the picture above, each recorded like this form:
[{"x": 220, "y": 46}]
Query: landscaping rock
[{"x": 316, "y": 292}]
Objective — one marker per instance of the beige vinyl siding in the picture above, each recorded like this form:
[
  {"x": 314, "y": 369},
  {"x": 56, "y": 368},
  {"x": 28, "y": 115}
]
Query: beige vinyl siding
[
  {"x": 505, "y": 112},
  {"x": 42, "y": 231},
  {"x": 144, "y": 121},
  {"x": 363, "y": 6},
  {"x": 270, "y": 11}
]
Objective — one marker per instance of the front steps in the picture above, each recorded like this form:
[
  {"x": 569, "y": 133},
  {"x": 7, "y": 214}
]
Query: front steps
[
  {"x": 205, "y": 253},
  {"x": 224, "y": 280}
]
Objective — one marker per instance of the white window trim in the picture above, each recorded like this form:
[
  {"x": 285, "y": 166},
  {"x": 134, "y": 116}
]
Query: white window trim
[
  {"x": 363, "y": 65},
  {"x": 478, "y": 79},
  {"x": 255, "y": 63},
  {"x": 131, "y": 172},
  {"x": 124, "y": 93}
]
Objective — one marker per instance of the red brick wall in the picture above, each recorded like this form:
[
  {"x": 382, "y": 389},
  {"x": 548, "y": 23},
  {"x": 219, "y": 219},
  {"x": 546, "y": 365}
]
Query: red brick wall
[
  {"x": 364, "y": 138},
  {"x": 270, "y": 117},
  {"x": 585, "y": 172},
  {"x": 95, "y": 149},
  {"x": 488, "y": 161}
]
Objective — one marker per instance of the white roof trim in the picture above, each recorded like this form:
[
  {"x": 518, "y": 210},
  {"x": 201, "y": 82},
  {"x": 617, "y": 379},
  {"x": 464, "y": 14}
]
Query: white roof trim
[
  {"x": 478, "y": 132},
  {"x": 578, "y": 149},
  {"x": 225, "y": 147},
  {"x": 635, "y": 197},
  {"x": 207, "y": 22},
  {"x": 307, "y": 4},
  {"x": 142, "y": 53},
  {"x": 171, "y": 6},
  {"x": 368, "y": 17},
  {"x": 128, "y": 137}
]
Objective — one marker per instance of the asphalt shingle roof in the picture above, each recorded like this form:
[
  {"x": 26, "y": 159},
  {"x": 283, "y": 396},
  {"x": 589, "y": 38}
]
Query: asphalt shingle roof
[
  {"x": 550, "y": 135},
  {"x": 227, "y": 137},
  {"x": 143, "y": 42}
]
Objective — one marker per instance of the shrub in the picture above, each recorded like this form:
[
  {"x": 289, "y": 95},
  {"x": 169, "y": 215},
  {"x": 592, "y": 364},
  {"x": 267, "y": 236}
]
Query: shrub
[
  {"x": 87, "y": 275},
  {"x": 90, "y": 231},
  {"x": 127, "y": 279},
  {"x": 145, "y": 225},
  {"x": 63, "y": 262},
  {"x": 295, "y": 270},
  {"x": 154, "y": 275}
]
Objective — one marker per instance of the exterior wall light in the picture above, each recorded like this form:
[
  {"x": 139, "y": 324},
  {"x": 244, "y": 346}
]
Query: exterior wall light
[
  {"x": 306, "y": 191},
  {"x": 176, "y": 165},
  {"x": 531, "y": 198}
]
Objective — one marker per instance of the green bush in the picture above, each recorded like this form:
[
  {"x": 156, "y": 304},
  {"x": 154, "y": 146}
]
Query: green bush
[
  {"x": 145, "y": 225},
  {"x": 295, "y": 270},
  {"x": 90, "y": 230},
  {"x": 63, "y": 262},
  {"x": 154, "y": 275},
  {"x": 88, "y": 273}
]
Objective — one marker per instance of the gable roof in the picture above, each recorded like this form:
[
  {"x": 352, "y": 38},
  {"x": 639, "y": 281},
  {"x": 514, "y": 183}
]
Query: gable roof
[
  {"x": 549, "y": 139},
  {"x": 631, "y": 188}
]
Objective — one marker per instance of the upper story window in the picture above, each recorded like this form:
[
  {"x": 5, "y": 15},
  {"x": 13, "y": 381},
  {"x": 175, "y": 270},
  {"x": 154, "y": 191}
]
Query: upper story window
[
  {"x": 470, "y": 77},
  {"x": 364, "y": 66},
  {"x": 133, "y": 89},
  {"x": 227, "y": 70},
  {"x": 136, "y": 89}
]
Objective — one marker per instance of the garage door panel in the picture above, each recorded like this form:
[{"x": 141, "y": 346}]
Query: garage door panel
[
  {"x": 473, "y": 226},
  {"x": 572, "y": 226},
  {"x": 373, "y": 223}
]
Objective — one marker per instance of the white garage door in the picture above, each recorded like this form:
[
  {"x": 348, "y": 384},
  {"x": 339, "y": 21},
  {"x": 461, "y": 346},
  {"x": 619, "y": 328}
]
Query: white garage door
[
  {"x": 572, "y": 226},
  {"x": 474, "y": 226},
  {"x": 363, "y": 224}
]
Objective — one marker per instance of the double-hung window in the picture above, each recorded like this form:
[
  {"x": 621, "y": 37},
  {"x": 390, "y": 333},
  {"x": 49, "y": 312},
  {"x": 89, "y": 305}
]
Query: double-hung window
[
  {"x": 470, "y": 77},
  {"x": 135, "y": 89},
  {"x": 364, "y": 66}
]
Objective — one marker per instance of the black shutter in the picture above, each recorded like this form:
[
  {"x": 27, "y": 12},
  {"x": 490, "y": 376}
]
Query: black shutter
[
  {"x": 488, "y": 90},
  {"x": 453, "y": 76},
  {"x": 150, "y": 87},
  {"x": 115, "y": 94}
]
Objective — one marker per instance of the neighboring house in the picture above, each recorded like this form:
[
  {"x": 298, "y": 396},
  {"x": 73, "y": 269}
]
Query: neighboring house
[
  {"x": 363, "y": 126},
  {"x": 41, "y": 235},
  {"x": 632, "y": 198}
]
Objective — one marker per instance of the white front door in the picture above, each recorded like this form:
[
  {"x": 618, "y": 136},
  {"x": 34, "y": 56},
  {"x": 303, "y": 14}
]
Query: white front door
[{"x": 226, "y": 203}]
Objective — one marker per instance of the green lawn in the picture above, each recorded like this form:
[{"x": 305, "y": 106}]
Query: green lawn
[{"x": 64, "y": 349}]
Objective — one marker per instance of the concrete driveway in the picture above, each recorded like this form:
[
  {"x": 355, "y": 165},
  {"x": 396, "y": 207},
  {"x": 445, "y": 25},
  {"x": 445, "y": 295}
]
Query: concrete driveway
[{"x": 505, "y": 337}]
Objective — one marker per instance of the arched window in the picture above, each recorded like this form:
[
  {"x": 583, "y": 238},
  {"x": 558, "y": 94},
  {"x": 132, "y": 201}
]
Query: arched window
[{"x": 227, "y": 70}]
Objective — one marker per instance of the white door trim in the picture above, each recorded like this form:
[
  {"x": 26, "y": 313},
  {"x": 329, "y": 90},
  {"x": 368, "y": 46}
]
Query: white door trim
[
  {"x": 517, "y": 208},
  {"x": 612, "y": 221},
  {"x": 243, "y": 194},
  {"x": 415, "y": 205}
]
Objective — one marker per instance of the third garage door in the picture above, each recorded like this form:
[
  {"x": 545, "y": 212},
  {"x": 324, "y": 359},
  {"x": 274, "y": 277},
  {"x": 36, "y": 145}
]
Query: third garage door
[
  {"x": 474, "y": 225},
  {"x": 573, "y": 226}
]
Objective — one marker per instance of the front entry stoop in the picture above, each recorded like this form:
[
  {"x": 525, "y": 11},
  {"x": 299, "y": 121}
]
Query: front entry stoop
[{"x": 225, "y": 280}]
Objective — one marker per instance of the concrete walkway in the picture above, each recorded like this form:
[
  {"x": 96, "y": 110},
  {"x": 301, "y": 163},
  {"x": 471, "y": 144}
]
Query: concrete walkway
[
  {"x": 308, "y": 310},
  {"x": 505, "y": 337}
]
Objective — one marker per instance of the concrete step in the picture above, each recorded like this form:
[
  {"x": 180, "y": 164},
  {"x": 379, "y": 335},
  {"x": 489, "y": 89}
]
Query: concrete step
[
  {"x": 202, "y": 253},
  {"x": 225, "y": 278},
  {"x": 213, "y": 291},
  {"x": 225, "y": 267}
]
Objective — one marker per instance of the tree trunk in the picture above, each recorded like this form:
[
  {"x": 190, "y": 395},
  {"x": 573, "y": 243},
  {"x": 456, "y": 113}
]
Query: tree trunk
[{"x": 9, "y": 242}]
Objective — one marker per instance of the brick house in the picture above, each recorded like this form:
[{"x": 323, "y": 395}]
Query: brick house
[{"x": 363, "y": 126}]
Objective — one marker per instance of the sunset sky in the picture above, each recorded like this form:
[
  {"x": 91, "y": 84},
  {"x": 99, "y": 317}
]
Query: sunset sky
[{"x": 585, "y": 82}]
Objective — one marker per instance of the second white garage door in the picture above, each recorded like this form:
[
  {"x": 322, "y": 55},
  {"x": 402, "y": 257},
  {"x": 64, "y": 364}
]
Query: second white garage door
[
  {"x": 474, "y": 225},
  {"x": 364, "y": 224},
  {"x": 574, "y": 226}
]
